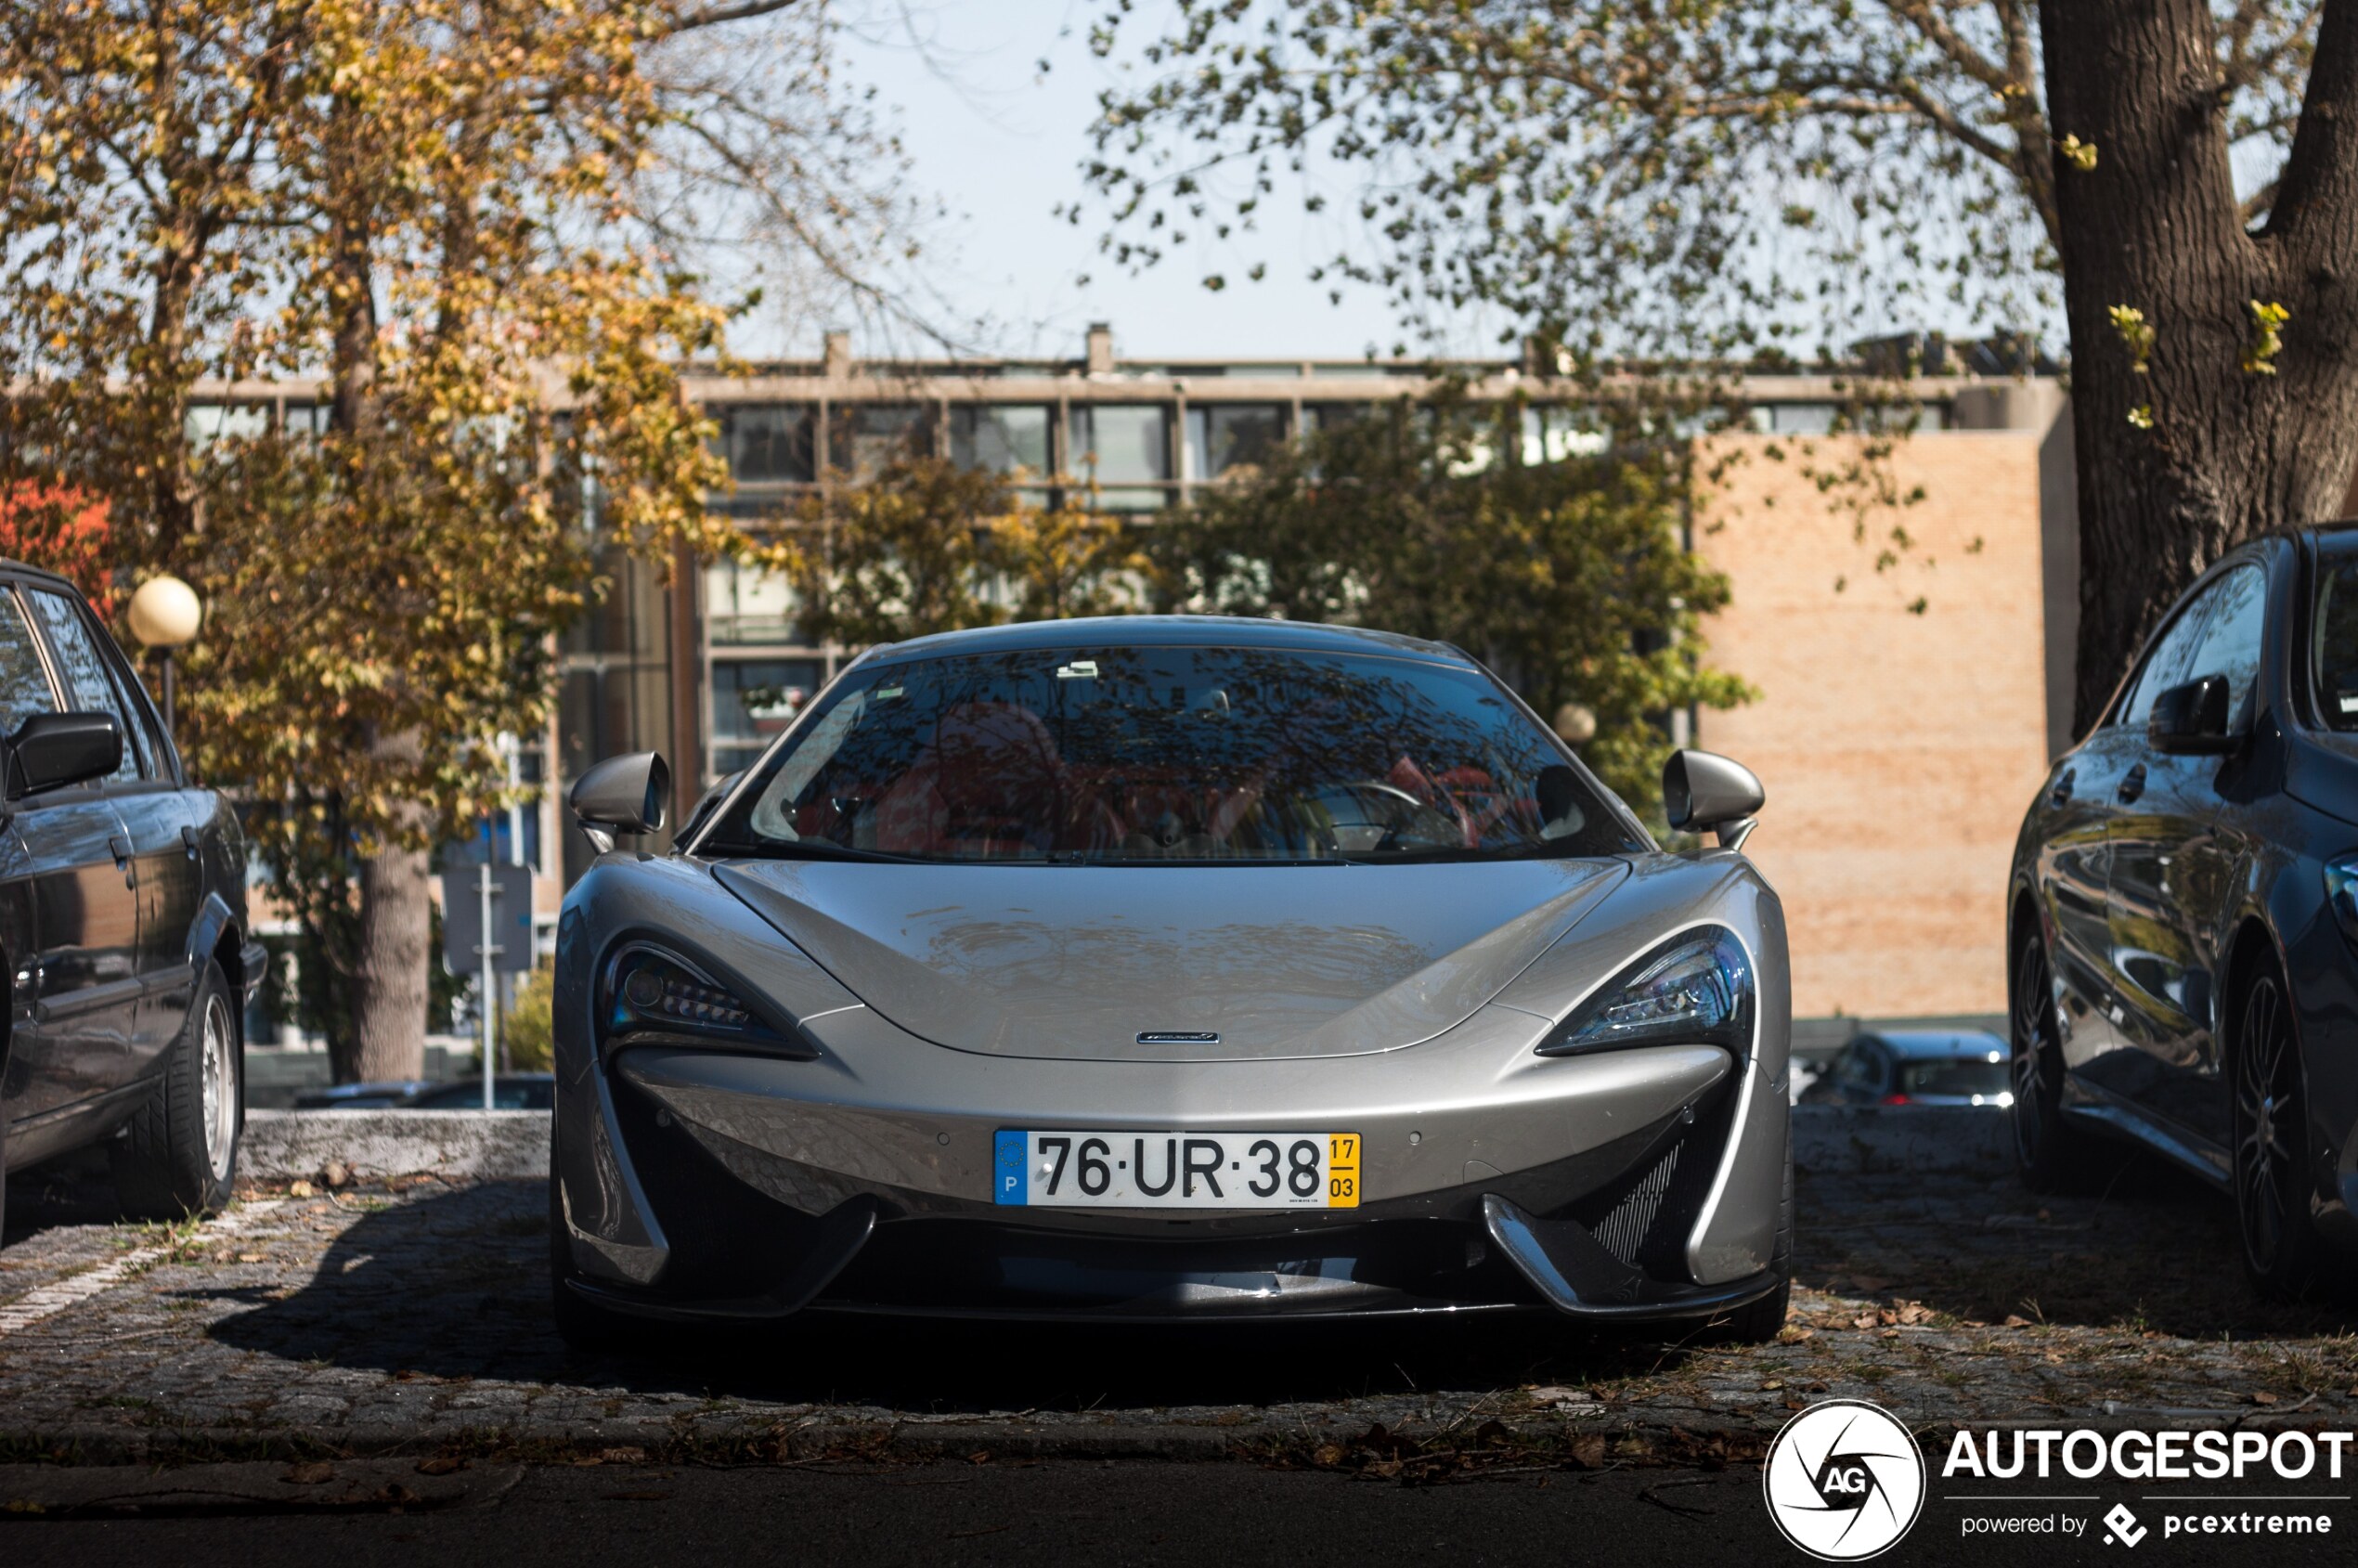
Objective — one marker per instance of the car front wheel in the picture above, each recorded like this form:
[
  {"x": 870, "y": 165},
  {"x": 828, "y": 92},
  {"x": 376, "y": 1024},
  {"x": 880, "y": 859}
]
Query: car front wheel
[
  {"x": 2280, "y": 1244},
  {"x": 2052, "y": 1155}
]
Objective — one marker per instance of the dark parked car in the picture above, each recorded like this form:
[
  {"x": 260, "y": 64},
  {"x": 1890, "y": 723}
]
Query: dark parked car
[
  {"x": 122, "y": 918},
  {"x": 2183, "y": 914},
  {"x": 1903, "y": 1067},
  {"x": 376, "y": 1095},
  {"x": 510, "y": 1091}
]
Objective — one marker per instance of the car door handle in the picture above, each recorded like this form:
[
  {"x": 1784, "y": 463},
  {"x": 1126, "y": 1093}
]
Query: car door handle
[
  {"x": 191, "y": 842},
  {"x": 2062, "y": 792},
  {"x": 122, "y": 847},
  {"x": 2133, "y": 784}
]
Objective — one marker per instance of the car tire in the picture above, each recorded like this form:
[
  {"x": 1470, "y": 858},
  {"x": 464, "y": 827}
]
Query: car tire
[
  {"x": 2051, "y": 1154},
  {"x": 582, "y": 1324},
  {"x": 178, "y": 1154},
  {"x": 2283, "y": 1254}
]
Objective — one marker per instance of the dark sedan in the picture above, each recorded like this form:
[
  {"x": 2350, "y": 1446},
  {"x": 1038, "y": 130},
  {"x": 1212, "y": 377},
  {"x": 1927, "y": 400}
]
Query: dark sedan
[
  {"x": 2185, "y": 909},
  {"x": 123, "y": 919}
]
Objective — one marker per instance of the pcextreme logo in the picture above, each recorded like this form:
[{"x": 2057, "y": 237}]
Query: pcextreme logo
[{"x": 1844, "y": 1481}]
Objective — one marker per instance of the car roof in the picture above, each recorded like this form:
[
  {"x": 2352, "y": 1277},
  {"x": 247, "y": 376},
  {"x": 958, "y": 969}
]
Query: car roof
[
  {"x": 1935, "y": 1042},
  {"x": 11, "y": 567},
  {"x": 1172, "y": 632}
]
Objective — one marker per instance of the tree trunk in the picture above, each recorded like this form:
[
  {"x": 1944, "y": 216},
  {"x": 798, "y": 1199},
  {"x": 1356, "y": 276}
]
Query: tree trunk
[
  {"x": 2214, "y": 441},
  {"x": 389, "y": 979}
]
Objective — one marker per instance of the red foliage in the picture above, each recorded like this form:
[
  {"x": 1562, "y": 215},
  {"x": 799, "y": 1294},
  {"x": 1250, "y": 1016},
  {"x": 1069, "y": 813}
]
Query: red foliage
[{"x": 64, "y": 530}]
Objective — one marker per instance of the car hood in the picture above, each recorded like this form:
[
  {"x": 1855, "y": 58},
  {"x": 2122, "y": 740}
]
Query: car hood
[{"x": 1260, "y": 961}]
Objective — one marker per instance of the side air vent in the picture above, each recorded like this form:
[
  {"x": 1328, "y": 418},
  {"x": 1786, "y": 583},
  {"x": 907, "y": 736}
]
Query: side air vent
[{"x": 1623, "y": 1232}]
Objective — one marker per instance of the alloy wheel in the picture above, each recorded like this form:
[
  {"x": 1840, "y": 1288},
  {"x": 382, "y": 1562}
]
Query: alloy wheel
[
  {"x": 2267, "y": 1166},
  {"x": 2037, "y": 1052},
  {"x": 218, "y": 1068}
]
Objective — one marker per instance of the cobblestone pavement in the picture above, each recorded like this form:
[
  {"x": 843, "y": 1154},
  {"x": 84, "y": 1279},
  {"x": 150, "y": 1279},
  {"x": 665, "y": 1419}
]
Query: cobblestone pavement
[{"x": 410, "y": 1317}]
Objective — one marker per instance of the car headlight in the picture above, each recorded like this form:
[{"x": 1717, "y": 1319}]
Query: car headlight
[
  {"x": 1695, "y": 988},
  {"x": 658, "y": 998}
]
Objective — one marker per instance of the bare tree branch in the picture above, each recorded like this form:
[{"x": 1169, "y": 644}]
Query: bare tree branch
[{"x": 716, "y": 15}]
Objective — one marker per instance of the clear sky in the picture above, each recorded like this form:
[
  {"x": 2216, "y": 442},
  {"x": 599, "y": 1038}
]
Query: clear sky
[{"x": 1003, "y": 144}]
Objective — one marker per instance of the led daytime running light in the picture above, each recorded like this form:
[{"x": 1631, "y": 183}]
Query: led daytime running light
[{"x": 1697, "y": 990}]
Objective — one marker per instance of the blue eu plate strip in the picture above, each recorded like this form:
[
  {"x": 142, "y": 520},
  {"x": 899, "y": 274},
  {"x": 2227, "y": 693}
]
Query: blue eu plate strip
[{"x": 1010, "y": 1160}]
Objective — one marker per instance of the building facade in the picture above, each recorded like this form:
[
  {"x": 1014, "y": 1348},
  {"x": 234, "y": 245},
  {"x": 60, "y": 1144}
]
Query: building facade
[{"x": 1905, "y": 713}]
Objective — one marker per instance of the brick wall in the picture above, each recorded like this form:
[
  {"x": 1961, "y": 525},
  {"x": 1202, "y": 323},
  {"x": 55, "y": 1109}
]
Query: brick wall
[{"x": 1899, "y": 749}]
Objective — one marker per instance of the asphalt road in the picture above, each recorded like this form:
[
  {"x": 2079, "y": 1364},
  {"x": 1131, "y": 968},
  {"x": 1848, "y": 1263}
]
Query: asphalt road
[{"x": 1054, "y": 1511}]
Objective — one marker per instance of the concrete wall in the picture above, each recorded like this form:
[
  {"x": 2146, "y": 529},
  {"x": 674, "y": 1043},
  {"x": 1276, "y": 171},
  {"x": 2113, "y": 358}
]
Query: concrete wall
[{"x": 1899, "y": 748}]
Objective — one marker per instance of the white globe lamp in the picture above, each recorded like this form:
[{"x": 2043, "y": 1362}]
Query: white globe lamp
[{"x": 165, "y": 613}]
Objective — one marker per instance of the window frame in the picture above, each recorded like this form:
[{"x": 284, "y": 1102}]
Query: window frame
[{"x": 143, "y": 726}]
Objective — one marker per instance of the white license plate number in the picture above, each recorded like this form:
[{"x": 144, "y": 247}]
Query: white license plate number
[{"x": 1133, "y": 1170}]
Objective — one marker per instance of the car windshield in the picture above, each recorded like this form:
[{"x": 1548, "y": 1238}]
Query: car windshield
[
  {"x": 2334, "y": 653},
  {"x": 1169, "y": 755}
]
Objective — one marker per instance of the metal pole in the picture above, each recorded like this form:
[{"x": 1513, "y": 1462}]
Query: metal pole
[
  {"x": 490, "y": 1003},
  {"x": 167, "y": 694}
]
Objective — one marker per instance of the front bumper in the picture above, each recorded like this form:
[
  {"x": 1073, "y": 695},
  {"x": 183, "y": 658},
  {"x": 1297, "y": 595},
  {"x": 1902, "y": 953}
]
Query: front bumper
[
  {"x": 701, "y": 1184},
  {"x": 763, "y": 1188}
]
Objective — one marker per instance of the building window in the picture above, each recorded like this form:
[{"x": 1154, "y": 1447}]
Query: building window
[
  {"x": 308, "y": 421},
  {"x": 1122, "y": 444},
  {"x": 1222, "y": 436},
  {"x": 868, "y": 436},
  {"x": 1317, "y": 418},
  {"x": 744, "y": 605},
  {"x": 753, "y": 701},
  {"x": 1001, "y": 438},
  {"x": 208, "y": 422},
  {"x": 1123, "y": 447},
  {"x": 1796, "y": 419},
  {"x": 1553, "y": 431},
  {"x": 768, "y": 444}
]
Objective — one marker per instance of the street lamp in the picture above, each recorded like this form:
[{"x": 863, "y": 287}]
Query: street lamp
[{"x": 164, "y": 613}]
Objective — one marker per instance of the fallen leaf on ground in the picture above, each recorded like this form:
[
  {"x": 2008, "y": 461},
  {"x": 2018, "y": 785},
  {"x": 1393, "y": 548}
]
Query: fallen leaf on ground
[
  {"x": 311, "y": 1472},
  {"x": 300, "y": 1189},
  {"x": 2263, "y": 1398},
  {"x": 444, "y": 1465}
]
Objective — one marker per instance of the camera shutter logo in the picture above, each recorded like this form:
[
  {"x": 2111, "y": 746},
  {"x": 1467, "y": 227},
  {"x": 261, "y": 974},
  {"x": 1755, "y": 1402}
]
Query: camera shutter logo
[{"x": 1844, "y": 1481}]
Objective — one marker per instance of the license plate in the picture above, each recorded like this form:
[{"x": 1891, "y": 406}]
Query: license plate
[{"x": 1081, "y": 1170}]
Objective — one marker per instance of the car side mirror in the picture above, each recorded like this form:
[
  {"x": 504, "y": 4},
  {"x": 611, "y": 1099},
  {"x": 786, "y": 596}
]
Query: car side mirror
[
  {"x": 52, "y": 750},
  {"x": 1703, "y": 792},
  {"x": 2191, "y": 720},
  {"x": 622, "y": 794}
]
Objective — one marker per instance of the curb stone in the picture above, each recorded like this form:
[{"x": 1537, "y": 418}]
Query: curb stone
[{"x": 285, "y": 1145}]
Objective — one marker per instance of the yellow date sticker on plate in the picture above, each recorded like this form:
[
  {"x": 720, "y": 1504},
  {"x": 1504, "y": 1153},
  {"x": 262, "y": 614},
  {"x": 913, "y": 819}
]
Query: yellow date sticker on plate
[{"x": 1343, "y": 1170}]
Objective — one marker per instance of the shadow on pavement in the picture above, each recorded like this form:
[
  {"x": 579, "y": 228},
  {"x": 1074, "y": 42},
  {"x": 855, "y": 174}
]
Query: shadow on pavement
[
  {"x": 2143, "y": 1246},
  {"x": 455, "y": 1285},
  {"x": 71, "y": 1189}
]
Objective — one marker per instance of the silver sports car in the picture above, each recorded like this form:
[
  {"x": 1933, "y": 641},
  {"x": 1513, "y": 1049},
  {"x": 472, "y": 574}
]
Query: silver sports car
[{"x": 1170, "y": 968}]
